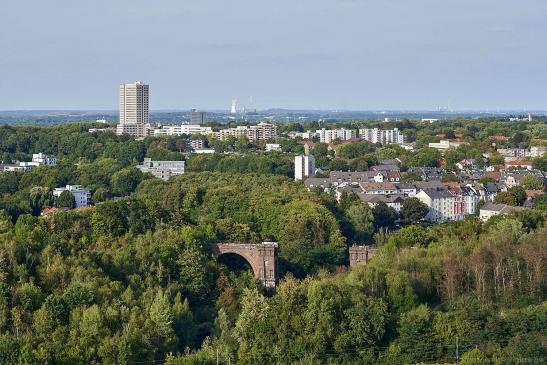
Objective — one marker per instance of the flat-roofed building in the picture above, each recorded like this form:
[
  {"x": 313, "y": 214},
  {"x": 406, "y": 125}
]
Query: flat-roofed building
[
  {"x": 134, "y": 109},
  {"x": 383, "y": 136},
  {"x": 179, "y": 130},
  {"x": 304, "y": 166},
  {"x": 43, "y": 159},
  {"x": 162, "y": 169},
  {"x": 197, "y": 117},
  {"x": 82, "y": 196}
]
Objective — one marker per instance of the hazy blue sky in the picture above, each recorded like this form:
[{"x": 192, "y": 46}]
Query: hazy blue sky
[{"x": 325, "y": 54}]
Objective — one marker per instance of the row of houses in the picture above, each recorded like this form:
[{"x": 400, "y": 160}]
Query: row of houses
[{"x": 446, "y": 201}]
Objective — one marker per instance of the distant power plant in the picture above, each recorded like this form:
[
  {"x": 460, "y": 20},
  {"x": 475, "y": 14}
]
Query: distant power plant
[{"x": 233, "y": 109}]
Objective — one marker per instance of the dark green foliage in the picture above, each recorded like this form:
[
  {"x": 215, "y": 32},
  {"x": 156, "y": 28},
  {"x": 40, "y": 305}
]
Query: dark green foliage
[
  {"x": 540, "y": 163},
  {"x": 384, "y": 216},
  {"x": 126, "y": 180},
  {"x": 519, "y": 193},
  {"x": 425, "y": 157},
  {"x": 66, "y": 200},
  {"x": 353, "y": 150},
  {"x": 413, "y": 210},
  {"x": 505, "y": 197},
  {"x": 133, "y": 280}
]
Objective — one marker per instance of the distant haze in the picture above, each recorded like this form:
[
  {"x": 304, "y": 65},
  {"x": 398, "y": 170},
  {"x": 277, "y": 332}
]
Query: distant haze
[{"x": 300, "y": 54}]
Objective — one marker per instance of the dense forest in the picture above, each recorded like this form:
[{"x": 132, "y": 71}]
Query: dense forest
[{"x": 132, "y": 280}]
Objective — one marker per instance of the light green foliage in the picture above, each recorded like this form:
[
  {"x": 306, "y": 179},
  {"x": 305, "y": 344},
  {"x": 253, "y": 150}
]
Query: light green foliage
[
  {"x": 532, "y": 182},
  {"x": 252, "y": 320},
  {"x": 519, "y": 193},
  {"x": 411, "y": 236},
  {"x": 425, "y": 157},
  {"x": 540, "y": 163},
  {"x": 474, "y": 357},
  {"x": 126, "y": 180},
  {"x": 361, "y": 217},
  {"x": 133, "y": 280},
  {"x": 505, "y": 197}
]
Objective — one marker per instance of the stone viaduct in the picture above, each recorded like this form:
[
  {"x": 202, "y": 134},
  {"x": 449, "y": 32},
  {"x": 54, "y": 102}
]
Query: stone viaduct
[
  {"x": 261, "y": 256},
  {"x": 360, "y": 255}
]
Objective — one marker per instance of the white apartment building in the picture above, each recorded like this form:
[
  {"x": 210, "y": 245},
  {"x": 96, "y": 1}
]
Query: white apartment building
[
  {"x": 304, "y": 166},
  {"x": 19, "y": 166},
  {"x": 383, "y": 136},
  {"x": 444, "y": 145},
  {"x": 162, "y": 169},
  {"x": 471, "y": 198},
  {"x": 329, "y": 135},
  {"x": 204, "y": 151},
  {"x": 537, "y": 151},
  {"x": 276, "y": 147},
  {"x": 82, "y": 196},
  {"x": 179, "y": 130},
  {"x": 134, "y": 109},
  {"x": 43, "y": 159},
  {"x": 238, "y": 131},
  {"x": 440, "y": 202},
  {"x": 197, "y": 144},
  {"x": 303, "y": 135},
  {"x": 261, "y": 132}
]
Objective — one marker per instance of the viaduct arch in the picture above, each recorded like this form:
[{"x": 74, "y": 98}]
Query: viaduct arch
[
  {"x": 261, "y": 256},
  {"x": 360, "y": 255}
]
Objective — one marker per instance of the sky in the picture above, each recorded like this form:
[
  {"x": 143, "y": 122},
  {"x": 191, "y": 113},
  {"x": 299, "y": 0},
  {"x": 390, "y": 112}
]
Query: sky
[{"x": 297, "y": 54}]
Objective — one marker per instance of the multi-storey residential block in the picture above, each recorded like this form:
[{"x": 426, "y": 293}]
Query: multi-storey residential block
[
  {"x": 440, "y": 202},
  {"x": 393, "y": 201},
  {"x": 329, "y": 135},
  {"x": 134, "y": 109},
  {"x": 179, "y": 130},
  {"x": 19, "y": 166},
  {"x": 378, "y": 188},
  {"x": 304, "y": 166},
  {"x": 273, "y": 147},
  {"x": 383, "y": 136},
  {"x": 43, "y": 159},
  {"x": 537, "y": 151},
  {"x": 260, "y": 132},
  {"x": 444, "y": 145},
  {"x": 82, "y": 196},
  {"x": 197, "y": 144},
  {"x": 162, "y": 169},
  {"x": 471, "y": 198},
  {"x": 197, "y": 117}
]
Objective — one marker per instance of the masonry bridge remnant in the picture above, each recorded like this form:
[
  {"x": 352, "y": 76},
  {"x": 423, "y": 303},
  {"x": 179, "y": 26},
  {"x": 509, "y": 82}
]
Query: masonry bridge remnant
[
  {"x": 261, "y": 256},
  {"x": 360, "y": 255}
]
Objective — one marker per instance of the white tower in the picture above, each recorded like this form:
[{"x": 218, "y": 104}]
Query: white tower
[
  {"x": 304, "y": 166},
  {"x": 233, "y": 109},
  {"x": 134, "y": 114}
]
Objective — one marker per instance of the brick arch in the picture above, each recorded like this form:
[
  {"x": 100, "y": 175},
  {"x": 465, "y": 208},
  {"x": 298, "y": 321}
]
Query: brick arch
[{"x": 261, "y": 256}]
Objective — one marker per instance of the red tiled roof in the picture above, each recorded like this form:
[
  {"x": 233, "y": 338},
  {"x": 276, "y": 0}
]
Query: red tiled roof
[{"x": 519, "y": 163}]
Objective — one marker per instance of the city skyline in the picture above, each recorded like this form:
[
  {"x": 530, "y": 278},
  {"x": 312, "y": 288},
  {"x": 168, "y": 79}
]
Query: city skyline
[{"x": 390, "y": 55}]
